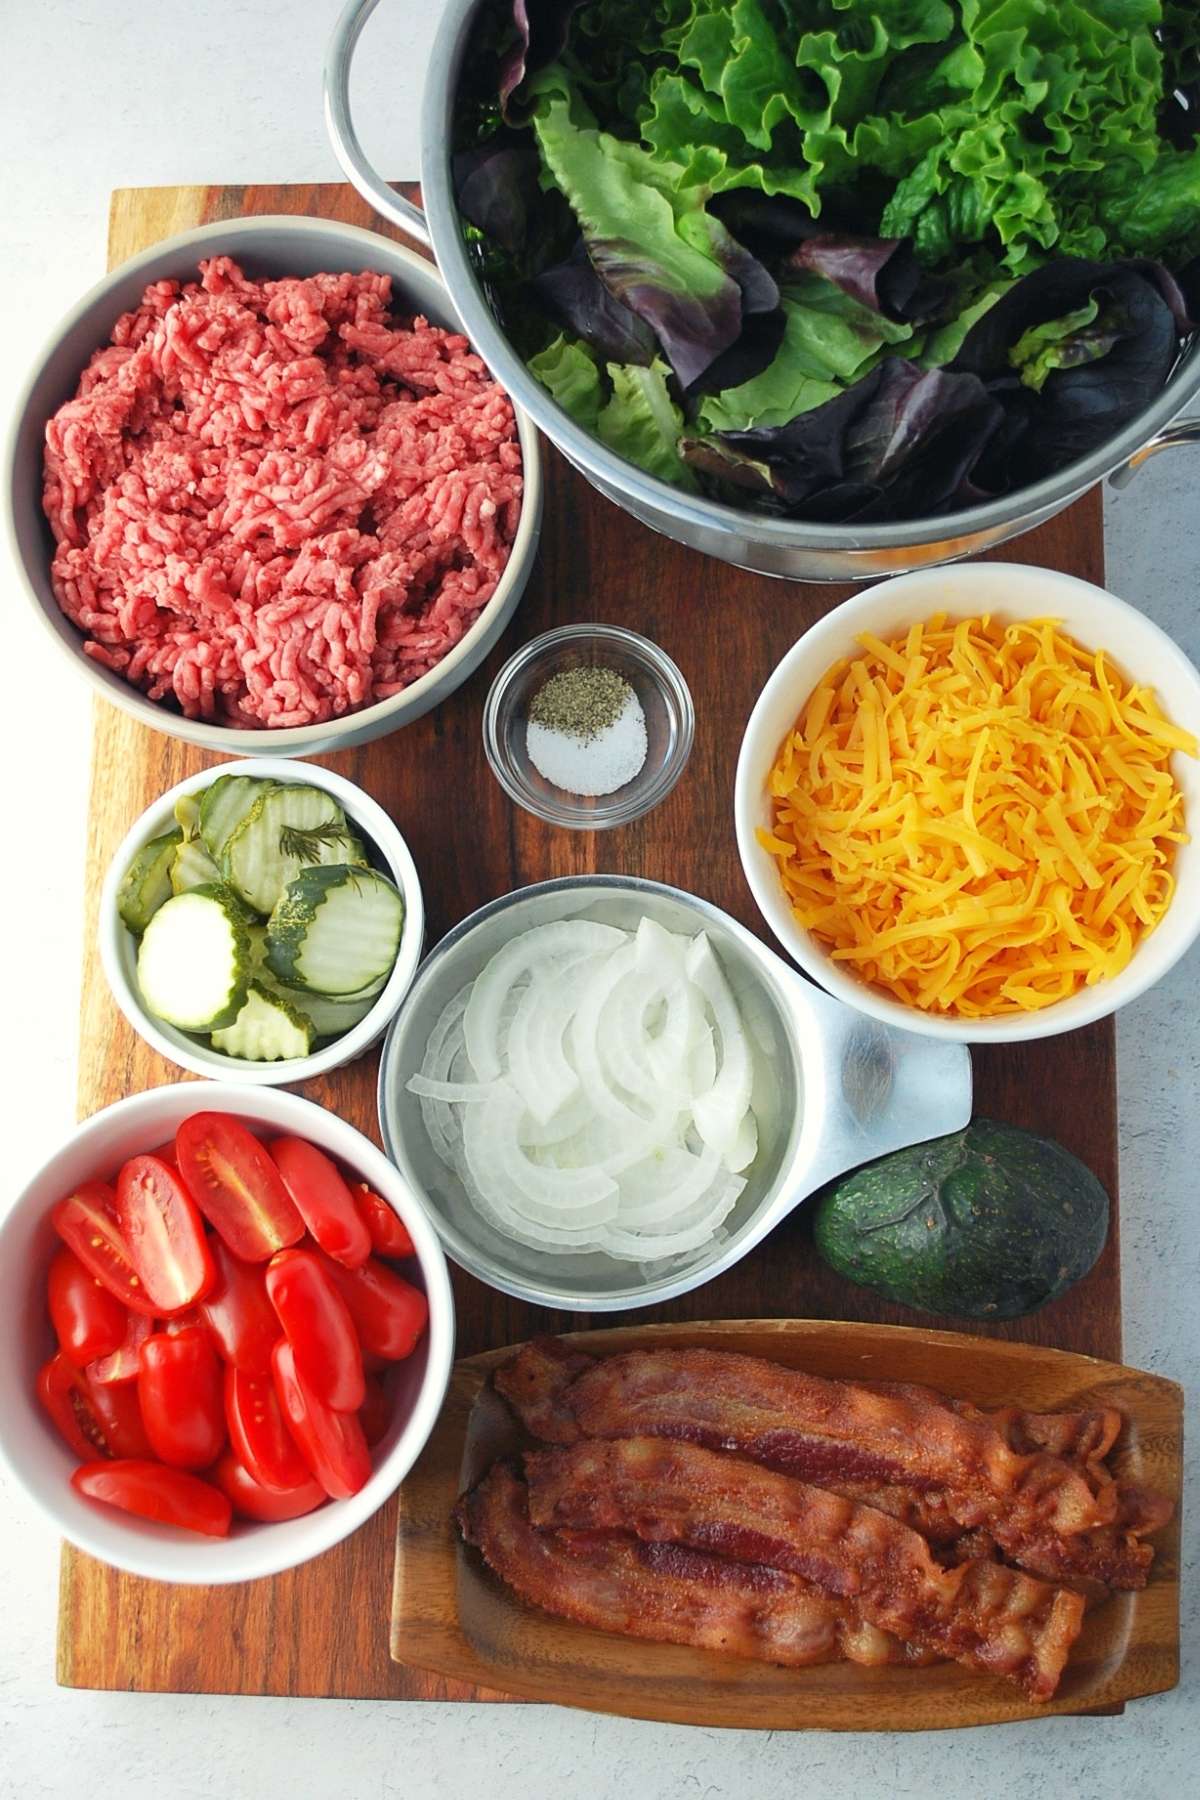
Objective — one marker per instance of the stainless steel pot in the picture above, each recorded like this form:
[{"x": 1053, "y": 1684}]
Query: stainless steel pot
[
  {"x": 832, "y": 1089},
  {"x": 753, "y": 541}
]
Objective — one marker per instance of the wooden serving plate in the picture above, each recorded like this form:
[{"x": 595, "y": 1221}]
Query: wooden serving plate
[{"x": 452, "y": 1616}]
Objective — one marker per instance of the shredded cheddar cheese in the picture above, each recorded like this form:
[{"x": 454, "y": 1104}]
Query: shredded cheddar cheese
[{"x": 979, "y": 818}]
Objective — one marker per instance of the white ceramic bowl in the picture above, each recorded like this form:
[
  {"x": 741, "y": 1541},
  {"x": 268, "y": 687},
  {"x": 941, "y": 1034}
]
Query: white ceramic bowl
[
  {"x": 1092, "y": 617},
  {"x": 270, "y": 246},
  {"x": 35, "y": 1453},
  {"x": 118, "y": 946}
]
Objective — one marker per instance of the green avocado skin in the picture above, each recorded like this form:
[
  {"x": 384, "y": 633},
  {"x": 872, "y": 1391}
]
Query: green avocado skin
[{"x": 988, "y": 1223}]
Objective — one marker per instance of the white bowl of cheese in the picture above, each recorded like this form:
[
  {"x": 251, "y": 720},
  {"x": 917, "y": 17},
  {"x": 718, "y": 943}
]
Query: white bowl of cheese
[{"x": 1136, "y": 649}]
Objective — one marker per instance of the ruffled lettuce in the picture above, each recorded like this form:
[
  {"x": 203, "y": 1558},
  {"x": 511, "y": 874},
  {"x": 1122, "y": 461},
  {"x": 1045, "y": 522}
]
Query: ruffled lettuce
[{"x": 855, "y": 256}]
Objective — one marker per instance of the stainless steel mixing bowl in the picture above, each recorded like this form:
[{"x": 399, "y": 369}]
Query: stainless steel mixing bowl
[
  {"x": 832, "y": 1089},
  {"x": 774, "y": 546}
]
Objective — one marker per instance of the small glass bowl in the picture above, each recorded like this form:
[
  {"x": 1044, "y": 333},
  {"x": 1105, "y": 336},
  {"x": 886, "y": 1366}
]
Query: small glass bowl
[{"x": 665, "y": 701}]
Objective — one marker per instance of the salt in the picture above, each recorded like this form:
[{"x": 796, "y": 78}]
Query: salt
[{"x": 595, "y": 765}]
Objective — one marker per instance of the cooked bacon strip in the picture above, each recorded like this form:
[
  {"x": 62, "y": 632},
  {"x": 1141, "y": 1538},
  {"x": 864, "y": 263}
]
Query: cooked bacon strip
[
  {"x": 902, "y": 1463},
  {"x": 665, "y": 1592},
  {"x": 535, "y": 1382},
  {"x": 1083, "y": 1437},
  {"x": 982, "y": 1614},
  {"x": 824, "y": 1431}
]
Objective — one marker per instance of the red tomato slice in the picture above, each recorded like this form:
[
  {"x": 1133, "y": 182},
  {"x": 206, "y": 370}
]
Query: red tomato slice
[
  {"x": 154, "y": 1492},
  {"x": 236, "y": 1185},
  {"x": 325, "y": 1202},
  {"x": 375, "y": 1413},
  {"x": 318, "y": 1326},
  {"x": 387, "y": 1230},
  {"x": 119, "y": 1411},
  {"x": 179, "y": 1389},
  {"x": 164, "y": 1233},
  {"x": 65, "y": 1394},
  {"x": 253, "y": 1501},
  {"x": 126, "y": 1359},
  {"x": 239, "y": 1317},
  {"x": 259, "y": 1433},
  {"x": 184, "y": 1321},
  {"x": 332, "y": 1443},
  {"x": 389, "y": 1313},
  {"x": 88, "y": 1320},
  {"x": 87, "y": 1223}
]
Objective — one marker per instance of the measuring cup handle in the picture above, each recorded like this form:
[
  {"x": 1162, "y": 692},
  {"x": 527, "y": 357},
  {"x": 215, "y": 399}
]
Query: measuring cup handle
[
  {"x": 340, "y": 125},
  {"x": 867, "y": 1089}
]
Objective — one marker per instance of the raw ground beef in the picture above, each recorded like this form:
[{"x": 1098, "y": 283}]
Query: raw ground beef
[{"x": 273, "y": 503}]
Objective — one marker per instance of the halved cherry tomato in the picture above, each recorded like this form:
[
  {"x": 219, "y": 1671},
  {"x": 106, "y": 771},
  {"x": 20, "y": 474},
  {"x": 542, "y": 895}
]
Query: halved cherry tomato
[
  {"x": 325, "y": 1202},
  {"x": 259, "y": 1433},
  {"x": 126, "y": 1359},
  {"x": 253, "y": 1501},
  {"x": 375, "y": 1413},
  {"x": 240, "y": 1318},
  {"x": 164, "y": 1234},
  {"x": 64, "y": 1392},
  {"x": 88, "y": 1320},
  {"x": 179, "y": 1389},
  {"x": 318, "y": 1326},
  {"x": 87, "y": 1223},
  {"x": 236, "y": 1185},
  {"x": 389, "y": 1313},
  {"x": 119, "y": 1411},
  {"x": 154, "y": 1492},
  {"x": 184, "y": 1321},
  {"x": 388, "y": 1232},
  {"x": 332, "y": 1443}
]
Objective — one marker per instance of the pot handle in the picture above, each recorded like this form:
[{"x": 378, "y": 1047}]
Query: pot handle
[
  {"x": 344, "y": 137},
  {"x": 868, "y": 1089},
  {"x": 1181, "y": 431}
]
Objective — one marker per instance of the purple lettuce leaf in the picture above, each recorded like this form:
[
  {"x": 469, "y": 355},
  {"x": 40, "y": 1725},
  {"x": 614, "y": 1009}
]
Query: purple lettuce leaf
[
  {"x": 1080, "y": 407},
  {"x": 498, "y": 191},
  {"x": 692, "y": 328},
  {"x": 882, "y": 274},
  {"x": 543, "y": 27},
  {"x": 696, "y": 326},
  {"x": 901, "y": 437},
  {"x": 575, "y": 297},
  {"x": 770, "y": 225},
  {"x": 755, "y": 349}
]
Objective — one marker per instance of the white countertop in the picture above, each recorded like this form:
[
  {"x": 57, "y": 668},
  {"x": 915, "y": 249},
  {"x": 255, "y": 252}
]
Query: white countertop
[{"x": 97, "y": 94}]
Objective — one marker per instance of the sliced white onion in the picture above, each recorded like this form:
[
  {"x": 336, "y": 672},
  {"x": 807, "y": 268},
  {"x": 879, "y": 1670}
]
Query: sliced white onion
[
  {"x": 523, "y": 956},
  {"x": 455, "y": 1093},
  {"x": 662, "y": 1185},
  {"x": 745, "y": 1145},
  {"x": 537, "y": 1192},
  {"x": 702, "y": 1062},
  {"x": 634, "y": 1246},
  {"x": 591, "y": 1091},
  {"x": 538, "y": 1064},
  {"x": 585, "y": 1038},
  {"x": 719, "y": 1111}
]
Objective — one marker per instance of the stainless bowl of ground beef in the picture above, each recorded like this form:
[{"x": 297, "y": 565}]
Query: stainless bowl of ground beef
[{"x": 262, "y": 490}]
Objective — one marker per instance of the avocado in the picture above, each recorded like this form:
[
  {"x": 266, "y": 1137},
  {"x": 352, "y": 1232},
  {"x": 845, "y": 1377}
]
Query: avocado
[{"x": 988, "y": 1223}]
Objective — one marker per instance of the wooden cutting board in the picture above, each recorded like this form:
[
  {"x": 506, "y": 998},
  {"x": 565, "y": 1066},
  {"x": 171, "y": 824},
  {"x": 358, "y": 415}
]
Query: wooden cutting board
[{"x": 323, "y": 1629}]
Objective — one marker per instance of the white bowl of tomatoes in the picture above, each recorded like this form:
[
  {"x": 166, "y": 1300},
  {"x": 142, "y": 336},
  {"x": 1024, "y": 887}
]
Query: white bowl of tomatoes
[{"x": 230, "y": 1330}]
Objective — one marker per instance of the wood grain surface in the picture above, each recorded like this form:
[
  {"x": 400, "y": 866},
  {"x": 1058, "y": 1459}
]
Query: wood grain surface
[
  {"x": 453, "y": 1616},
  {"x": 323, "y": 1629}
]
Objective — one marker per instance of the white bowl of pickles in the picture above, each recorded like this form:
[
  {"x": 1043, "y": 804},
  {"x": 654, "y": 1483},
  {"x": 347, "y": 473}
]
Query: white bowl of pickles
[{"x": 261, "y": 922}]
